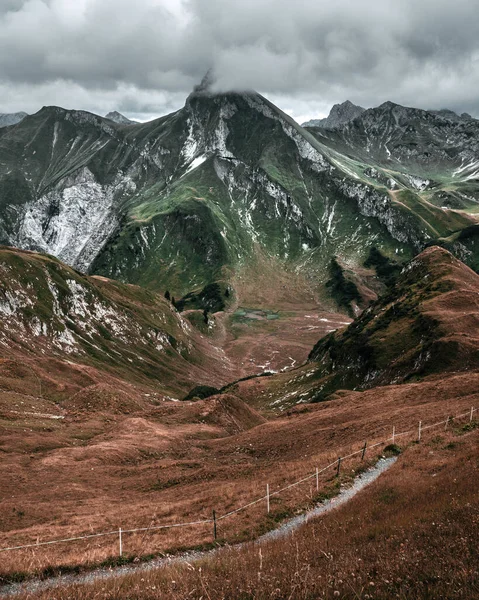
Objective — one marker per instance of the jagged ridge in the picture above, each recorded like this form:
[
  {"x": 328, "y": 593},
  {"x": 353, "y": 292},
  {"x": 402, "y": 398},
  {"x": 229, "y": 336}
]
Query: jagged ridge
[{"x": 194, "y": 196}]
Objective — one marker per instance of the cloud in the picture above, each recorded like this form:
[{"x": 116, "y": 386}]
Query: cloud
[{"x": 148, "y": 54}]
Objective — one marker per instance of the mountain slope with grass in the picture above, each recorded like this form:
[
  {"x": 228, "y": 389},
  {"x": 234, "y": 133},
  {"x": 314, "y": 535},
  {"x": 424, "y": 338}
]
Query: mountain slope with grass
[
  {"x": 425, "y": 326},
  {"x": 61, "y": 331},
  {"x": 216, "y": 190}
]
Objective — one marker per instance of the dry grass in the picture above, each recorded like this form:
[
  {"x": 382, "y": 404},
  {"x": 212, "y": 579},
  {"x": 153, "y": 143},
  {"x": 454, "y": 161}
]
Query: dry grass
[
  {"x": 136, "y": 476},
  {"x": 412, "y": 534}
]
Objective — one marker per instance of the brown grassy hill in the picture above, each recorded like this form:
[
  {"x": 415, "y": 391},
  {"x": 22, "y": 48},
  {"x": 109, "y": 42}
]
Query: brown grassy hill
[
  {"x": 428, "y": 323},
  {"x": 61, "y": 331},
  {"x": 412, "y": 534},
  {"x": 180, "y": 460},
  {"x": 426, "y": 326}
]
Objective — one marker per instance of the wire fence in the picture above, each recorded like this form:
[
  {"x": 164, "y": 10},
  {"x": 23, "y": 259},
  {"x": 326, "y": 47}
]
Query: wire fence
[{"x": 266, "y": 498}]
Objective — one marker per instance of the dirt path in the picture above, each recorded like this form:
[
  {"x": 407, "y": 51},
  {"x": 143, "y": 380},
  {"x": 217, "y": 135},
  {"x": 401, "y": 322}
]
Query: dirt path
[{"x": 286, "y": 528}]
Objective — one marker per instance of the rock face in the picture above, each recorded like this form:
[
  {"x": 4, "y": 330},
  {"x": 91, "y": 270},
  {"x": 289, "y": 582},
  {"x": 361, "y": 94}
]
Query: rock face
[
  {"x": 339, "y": 114},
  {"x": 11, "y": 119},
  {"x": 119, "y": 118},
  {"x": 198, "y": 195}
]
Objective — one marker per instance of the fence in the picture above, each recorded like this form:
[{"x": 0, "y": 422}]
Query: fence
[{"x": 266, "y": 498}]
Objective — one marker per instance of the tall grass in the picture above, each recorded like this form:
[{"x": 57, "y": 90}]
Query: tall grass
[{"x": 412, "y": 534}]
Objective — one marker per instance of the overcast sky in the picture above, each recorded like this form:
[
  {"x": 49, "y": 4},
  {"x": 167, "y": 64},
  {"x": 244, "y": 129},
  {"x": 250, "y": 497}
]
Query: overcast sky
[{"x": 142, "y": 57}]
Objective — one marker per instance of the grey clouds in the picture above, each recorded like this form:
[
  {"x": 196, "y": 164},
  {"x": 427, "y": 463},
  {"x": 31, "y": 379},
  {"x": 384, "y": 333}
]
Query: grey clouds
[{"x": 143, "y": 57}]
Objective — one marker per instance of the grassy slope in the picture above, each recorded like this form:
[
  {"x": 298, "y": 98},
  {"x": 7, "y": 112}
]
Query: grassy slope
[
  {"x": 55, "y": 314},
  {"x": 423, "y": 326},
  {"x": 176, "y": 461},
  {"x": 407, "y": 536},
  {"x": 383, "y": 536},
  {"x": 431, "y": 316}
]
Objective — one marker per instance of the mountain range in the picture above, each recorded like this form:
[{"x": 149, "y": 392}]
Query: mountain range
[
  {"x": 220, "y": 298},
  {"x": 229, "y": 182}
]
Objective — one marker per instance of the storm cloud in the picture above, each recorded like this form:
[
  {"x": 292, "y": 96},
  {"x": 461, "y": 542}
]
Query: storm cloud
[{"x": 143, "y": 57}]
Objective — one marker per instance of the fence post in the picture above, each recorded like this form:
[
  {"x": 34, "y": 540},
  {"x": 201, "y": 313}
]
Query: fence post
[
  {"x": 267, "y": 497},
  {"x": 317, "y": 479},
  {"x": 364, "y": 450},
  {"x": 394, "y": 433},
  {"x": 120, "y": 541},
  {"x": 339, "y": 467},
  {"x": 214, "y": 525},
  {"x": 472, "y": 411},
  {"x": 419, "y": 432},
  {"x": 447, "y": 423}
]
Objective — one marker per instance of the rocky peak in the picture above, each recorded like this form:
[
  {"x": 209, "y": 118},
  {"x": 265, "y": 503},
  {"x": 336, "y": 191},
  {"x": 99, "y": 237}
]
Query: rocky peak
[
  {"x": 339, "y": 114},
  {"x": 119, "y": 118}
]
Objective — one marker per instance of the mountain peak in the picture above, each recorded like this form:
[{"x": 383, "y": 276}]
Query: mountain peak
[
  {"x": 339, "y": 114},
  {"x": 119, "y": 118},
  {"x": 7, "y": 119},
  {"x": 205, "y": 85}
]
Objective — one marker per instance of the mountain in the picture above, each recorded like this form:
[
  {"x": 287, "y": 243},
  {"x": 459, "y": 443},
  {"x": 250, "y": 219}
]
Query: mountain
[
  {"x": 72, "y": 331},
  {"x": 426, "y": 159},
  {"x": 226, "y": 189},
  {"x": 451, "y": 115},
  {"x": 11, "y": 119},
  {"x": 339, "y": 114},
  {"x": 119, "y": 118},
  {"x": 424, "y": 328},
  {"x": 428, "y": 323}
]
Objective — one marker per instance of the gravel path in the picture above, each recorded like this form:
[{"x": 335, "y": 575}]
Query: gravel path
[{"x": 36, "y": 585}]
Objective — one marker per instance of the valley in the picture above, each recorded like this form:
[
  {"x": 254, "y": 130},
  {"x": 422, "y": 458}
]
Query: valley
[
  {"x": 219, "y": 300},
  {"x": 120, "y": 453}
]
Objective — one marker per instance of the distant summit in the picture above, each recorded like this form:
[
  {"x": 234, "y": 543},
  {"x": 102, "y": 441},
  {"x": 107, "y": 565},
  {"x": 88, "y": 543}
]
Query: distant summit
[
  {"x": 452, "y": 116},
  {"x": 11, "y": 119},
  {"x": 119, "y": 118},
  {"x": 340, "y": 113}
]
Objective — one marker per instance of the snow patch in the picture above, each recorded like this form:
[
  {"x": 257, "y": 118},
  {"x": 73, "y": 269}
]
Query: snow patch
[{"x": 196, "y": 162}]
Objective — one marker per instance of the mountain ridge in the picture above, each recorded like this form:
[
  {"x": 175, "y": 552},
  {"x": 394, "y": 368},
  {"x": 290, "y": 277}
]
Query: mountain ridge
[
  {"x": 196, "y": 196},
  {"x": 66, "y": 323},
  {"x": 9, "y": 119}
]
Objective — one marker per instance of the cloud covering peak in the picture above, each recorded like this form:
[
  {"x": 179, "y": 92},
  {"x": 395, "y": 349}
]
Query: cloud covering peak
[{"x": 143, "y": 57}]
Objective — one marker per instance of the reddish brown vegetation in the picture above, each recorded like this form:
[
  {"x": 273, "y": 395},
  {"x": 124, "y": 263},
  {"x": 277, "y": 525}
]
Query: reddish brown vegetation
[
  {"x": 128, "y": 456},
  {"x": 176, "y": 462},
  {"x": 411, "y": 534}
]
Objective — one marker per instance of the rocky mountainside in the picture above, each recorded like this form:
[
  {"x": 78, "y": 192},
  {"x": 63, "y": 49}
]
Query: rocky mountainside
[
  {"x": 212, "y": 191},
  {"x": 119, "y": 118},
  {"x": 7, "y": 119},
  {"x": 339, "y": 114},
  {"x": 77, "y": 330}
]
